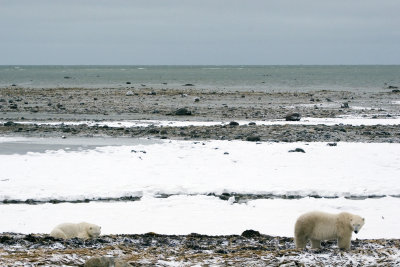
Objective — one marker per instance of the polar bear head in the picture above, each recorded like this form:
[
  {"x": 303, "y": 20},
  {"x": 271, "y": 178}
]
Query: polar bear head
[
  {"x": 356, "y": 223},
  {"x": 93, "y": 230}
]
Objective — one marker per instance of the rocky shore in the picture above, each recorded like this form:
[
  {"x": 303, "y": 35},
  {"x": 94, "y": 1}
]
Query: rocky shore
[
  {"x": 18, "y": 105},
  {"x": 74, "y": 104},
  {"x": 249, "y": 249}
]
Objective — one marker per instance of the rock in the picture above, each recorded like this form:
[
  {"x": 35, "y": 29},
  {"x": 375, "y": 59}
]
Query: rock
[
  {"x": 298, "y": 150},
  {"x": 67, "y": 77},
  {"x": 332, "y": 144},
  {"x": 252, "y": 123},
  {"x": 13, "y": 85},
  {"x": 9, "y": 123},
  {"x": 13, "y": 106},
  {"x": 396, "y": 91},
  {"x": 392, "y": 87},
  {"x": 253, "y": 138},
  {"x": 251, "y": 233},
  {"x": 106, "y": 262},
  {"x": 233, "y": 123},
  {"x": 128, "y": 82},
  {"x": 188, "y": 84},
  {"x": 129, "y": 93},
  {"x": 345, "y": 105},
  {"x": 196, "y": 99},
  {"x": 183, "y": 112},
  {"x": 293, "y": 117}
]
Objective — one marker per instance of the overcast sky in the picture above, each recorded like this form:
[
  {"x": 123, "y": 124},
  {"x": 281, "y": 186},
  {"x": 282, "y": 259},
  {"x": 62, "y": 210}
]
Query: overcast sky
[{"x": 175, "y": 32}]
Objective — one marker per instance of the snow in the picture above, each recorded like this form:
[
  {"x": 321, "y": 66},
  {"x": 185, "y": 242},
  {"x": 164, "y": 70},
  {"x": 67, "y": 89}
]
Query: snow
[
  {"x": 346, "y": 120},
  {"x": 187, "y": 167},
  {"x": 81, "y": 168},
  {"x": 200, "y": 214}
]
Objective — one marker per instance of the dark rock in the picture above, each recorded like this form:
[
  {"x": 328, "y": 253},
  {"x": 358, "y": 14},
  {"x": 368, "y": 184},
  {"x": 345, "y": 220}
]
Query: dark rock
[
  {"x": 251, "y": 233},
  {"x": 345, "y": 105},
  {"x": 9, "y": 123},
  {"x": 188, "y": 84},
  {"x": 106, "y": 262},
  {"x": 128, "y": 82},
  {"x": 332, "y": 144},
  {"x": 233, "y": 123},
  {"x": 298, "y": 150},
  {"x": 392, "y": 87},
  {"x": 293, "y": 117},
  {"x": 196, "y": 99},
  {"x": 396, "y": 91},
  {"x": 13, "y": 84},
  {"x": 252, "y": 123},
  {"x": 253, "y": 138},
  {"x": 13, "y": 106},
  {"x": 67, "y": 77},
  {"x": 183, "y": 112}
]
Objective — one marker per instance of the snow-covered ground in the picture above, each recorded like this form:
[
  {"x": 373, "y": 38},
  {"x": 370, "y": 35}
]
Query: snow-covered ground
[
  {"x": 200, "y": 214},
  {"x": 76, "y": 169},
  {"x": 346, "y": 120}
]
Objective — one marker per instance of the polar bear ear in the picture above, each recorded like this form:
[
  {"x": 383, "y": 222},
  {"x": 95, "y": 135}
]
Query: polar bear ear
[{"x": 363, "y": 219}]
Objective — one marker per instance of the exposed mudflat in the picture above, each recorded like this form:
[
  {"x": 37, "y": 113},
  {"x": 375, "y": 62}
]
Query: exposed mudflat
[{"x": 250, "y": 249}]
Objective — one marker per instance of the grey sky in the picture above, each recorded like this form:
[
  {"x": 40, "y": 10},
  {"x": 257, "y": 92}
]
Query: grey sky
[{"x": 199, "y": 32}]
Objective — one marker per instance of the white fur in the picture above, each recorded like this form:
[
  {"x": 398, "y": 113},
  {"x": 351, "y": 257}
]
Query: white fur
[
  {"x": 317, "y": 226},
  {"x": 81, "y": 230}
]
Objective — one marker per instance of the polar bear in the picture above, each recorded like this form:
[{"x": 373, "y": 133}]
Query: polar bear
[
  {"x": 82, "y": 230},
  {"x": 317, "y": 226}
]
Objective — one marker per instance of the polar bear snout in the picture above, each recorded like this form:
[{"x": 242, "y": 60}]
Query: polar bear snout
[{"x": 356, "y": 231}]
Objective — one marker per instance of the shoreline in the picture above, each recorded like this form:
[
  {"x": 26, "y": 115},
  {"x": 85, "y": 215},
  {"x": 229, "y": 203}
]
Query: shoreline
[
  {"x": 46, "y": 106},
  {"x": 152, "y": 249}
]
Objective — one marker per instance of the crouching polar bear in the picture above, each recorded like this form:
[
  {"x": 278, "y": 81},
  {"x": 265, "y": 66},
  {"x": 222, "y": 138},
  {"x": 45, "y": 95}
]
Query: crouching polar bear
[
  {"x": 81, "y": 230},
  {"x": 317, "y": 226}
]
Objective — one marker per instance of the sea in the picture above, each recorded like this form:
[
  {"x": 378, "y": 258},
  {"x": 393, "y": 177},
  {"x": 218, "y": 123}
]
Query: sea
[{"x": 219, "y": 78}]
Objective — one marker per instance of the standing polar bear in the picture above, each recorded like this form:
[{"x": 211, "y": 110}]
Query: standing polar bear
[
  {"x": 317, "y": 226},
  {"x": 81, "y": 230}
]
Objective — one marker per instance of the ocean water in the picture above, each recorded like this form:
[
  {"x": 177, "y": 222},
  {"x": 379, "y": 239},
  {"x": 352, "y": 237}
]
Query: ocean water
[{"x": 226, "y": 78}]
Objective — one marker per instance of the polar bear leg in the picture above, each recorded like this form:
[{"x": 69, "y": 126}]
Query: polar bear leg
[
  {"x": 315, "y": 243},
  {"x": 83, "y": 235},
  {"x": 57, "y": 233},
  {"x": 301, "y": 242},
  {"x": 344, "y": 242}
]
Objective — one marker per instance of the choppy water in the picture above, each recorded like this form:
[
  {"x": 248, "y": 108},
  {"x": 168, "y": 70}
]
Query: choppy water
[{"x": 260, "y": 78}]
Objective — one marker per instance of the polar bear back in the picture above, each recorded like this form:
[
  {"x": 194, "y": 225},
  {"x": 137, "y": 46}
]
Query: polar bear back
[
  {"x": 81, "y": 230},
  {"x": 318, "y": 225}
]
